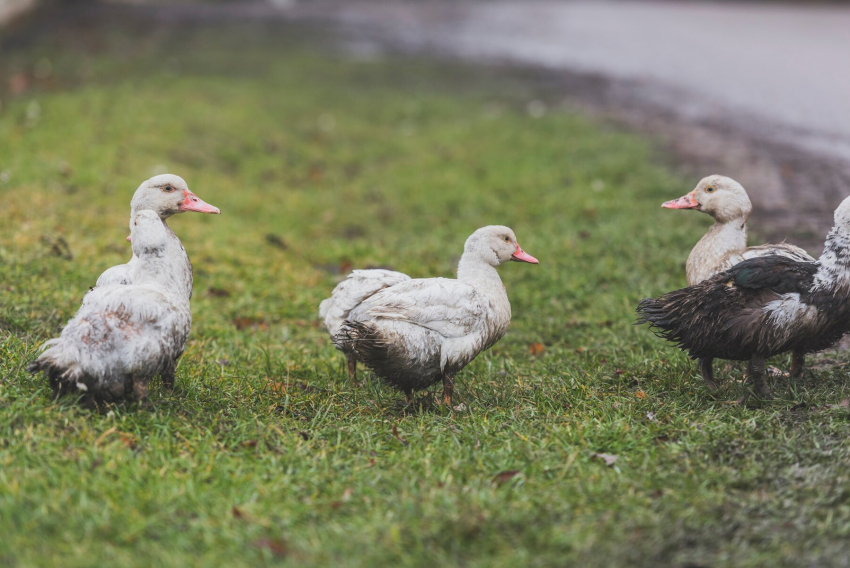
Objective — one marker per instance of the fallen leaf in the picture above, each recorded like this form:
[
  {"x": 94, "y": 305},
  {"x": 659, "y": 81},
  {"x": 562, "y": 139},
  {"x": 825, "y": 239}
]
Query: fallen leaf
[
  {"x": 304, "y": 435},
  {"x": 844, "y": 403},
  {"x": 248, "y": 443},
  {"x": 459, "y": 407},
  {"x": 18, "y": 83},
  {"x": 316, "y": 173},
  {"x": 237, "y": 512},
  {"x": 609, "y": 459},
  {"x": 243, "y": 322},
  {"x": 640, "y": 394},
  {"x": 218, "y": 293},
  {"x": 398, "y": 436},
  {"x": 536, "y": 348},
  {"x": 274, "y": 545},
  {"x": 505, "y": 476},
  {"x": 776, "y": 372},
  {"x": 129, "y": 440}
]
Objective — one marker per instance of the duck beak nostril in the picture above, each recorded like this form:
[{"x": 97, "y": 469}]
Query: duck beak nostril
[{"x": 195, "y": 203}]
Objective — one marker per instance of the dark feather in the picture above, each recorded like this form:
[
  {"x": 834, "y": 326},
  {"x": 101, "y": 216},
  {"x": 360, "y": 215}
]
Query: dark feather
[{"x": 725, "y": 316}]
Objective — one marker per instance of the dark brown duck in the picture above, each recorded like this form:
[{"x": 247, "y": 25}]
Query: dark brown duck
[{"x": 761, "y": 307}]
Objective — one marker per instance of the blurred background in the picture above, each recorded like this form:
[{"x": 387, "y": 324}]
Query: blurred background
[{"x": 759, "y": 91}]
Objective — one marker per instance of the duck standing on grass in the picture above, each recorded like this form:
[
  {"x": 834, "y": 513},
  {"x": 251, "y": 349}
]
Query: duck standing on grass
[
  {"x": 124, "y": 334},
  {"x": 725, "y": 244},
  {"x": 423, "y": 331},
  {"x": 762, "y": 307},
  {"x": 350, "y": 293}
]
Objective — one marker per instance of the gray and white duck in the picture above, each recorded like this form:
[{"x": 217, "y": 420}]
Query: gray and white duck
[
  {"x": 124, "y": 334},
  {"x": 762, "y": 306},
  {"x": 725, "y": 243},
  {"x": 424, "y": 331}
]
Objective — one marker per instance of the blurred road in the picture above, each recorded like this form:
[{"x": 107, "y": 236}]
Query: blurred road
[{"x": 787, "y": 65}]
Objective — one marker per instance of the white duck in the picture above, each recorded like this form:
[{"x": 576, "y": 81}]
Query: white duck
[
  {"x": 424, "y": 331},
  {"x": 124, "y": 334},
  {"x": 725, "y": 243},
  {"x": 350, "y": 293},
  {"x": 167, "y": 195}
]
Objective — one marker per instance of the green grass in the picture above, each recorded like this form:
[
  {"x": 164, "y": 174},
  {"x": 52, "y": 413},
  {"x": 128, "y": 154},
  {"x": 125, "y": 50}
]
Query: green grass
[{"x": 264, "y": 453}]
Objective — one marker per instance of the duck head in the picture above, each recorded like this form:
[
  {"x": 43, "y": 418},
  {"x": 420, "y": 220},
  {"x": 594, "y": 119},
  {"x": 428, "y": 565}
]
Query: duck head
[
  {"x": 168, "y": 195},
  {"x": 494, "y": 245},
  {"x": 721, "y": 197}
]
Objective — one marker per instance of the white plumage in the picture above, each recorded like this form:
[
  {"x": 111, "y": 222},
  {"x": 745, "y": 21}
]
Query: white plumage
[
  {"x": 167, "y": 195},
  {"x": 422, "y": 331},
  {"x": 348, "y": 294},
  {"x": 124, "y": 335}
]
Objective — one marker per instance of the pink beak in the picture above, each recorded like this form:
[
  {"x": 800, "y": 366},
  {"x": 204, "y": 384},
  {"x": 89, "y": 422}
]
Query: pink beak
[
  {"x": 129, "y": 239},
  {"x": 195, "y": 203},
  {"x": 685, "y": 202},
  {"x": 522, "y": 256}
]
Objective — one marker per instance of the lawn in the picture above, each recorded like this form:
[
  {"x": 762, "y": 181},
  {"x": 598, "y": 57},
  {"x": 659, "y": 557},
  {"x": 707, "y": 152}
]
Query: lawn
[{"x": 265, "y": 453}]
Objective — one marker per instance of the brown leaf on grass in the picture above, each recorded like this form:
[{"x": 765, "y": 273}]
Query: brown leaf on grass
[
  {"x": 304, "y": 435},
  {"x": 243, "y": 322},
  {"x": 609, "y": 459},
  {"x": 776, "y": 372},
  {"x": 536, "y": 348},
  {"x": 276, "y": 546},
  {"x": 640, "y": 394},
  {"x": 248, "y": 443},
  {"x": 505, "y": 476},
  {"x": 217, "y": 292},
  {"x": 398, "y": 437},
  {"x": 844, "y": 403},
  {"x": 316, "y": 173},
  {"x": 128, "y": 440},
  {"x": 237, "y": 513},
  {"x": 18, "y": 83}
]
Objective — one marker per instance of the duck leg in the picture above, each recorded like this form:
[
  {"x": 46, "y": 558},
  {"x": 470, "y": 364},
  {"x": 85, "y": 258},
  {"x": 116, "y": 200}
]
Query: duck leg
[
  {"x": 798, "y": 360},
  {"x": 707, "y": 371},
  {"x": 409, "y": 398},
  {"x": 448, "y": 388},
  {"x": 755, "y": 370},
  {"x": 168, "y": 378},
  {"x": 352, "y": 366},
  {"x": 140, "y": 389}
]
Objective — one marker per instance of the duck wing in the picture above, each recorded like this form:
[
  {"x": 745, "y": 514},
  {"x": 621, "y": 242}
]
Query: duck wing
[
  {"x": 756, "y": 307},
  {"x": 119, "y": 274},
  {"x": 780, "y": 249},
  {"x": 449, "y": 307},
  {"x": 420, "y": 312},
  {"x": 357, "y": 287}
]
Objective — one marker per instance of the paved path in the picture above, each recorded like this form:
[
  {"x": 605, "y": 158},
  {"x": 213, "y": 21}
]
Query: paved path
[{"x": 788, "y": 66}]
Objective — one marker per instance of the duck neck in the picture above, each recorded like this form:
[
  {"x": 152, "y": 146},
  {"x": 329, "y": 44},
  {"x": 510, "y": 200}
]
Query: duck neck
[
  {"x": 483, "y": 277},
  {"x": 834, "y": 262},
  {"x": 723, "y": 238}
]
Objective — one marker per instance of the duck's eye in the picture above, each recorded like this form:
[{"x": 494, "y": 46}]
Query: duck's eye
[
  {"x": 710, "y": 189},
  {"x": 167, "y": 189},
  {"x": 507, "y": 239}
]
